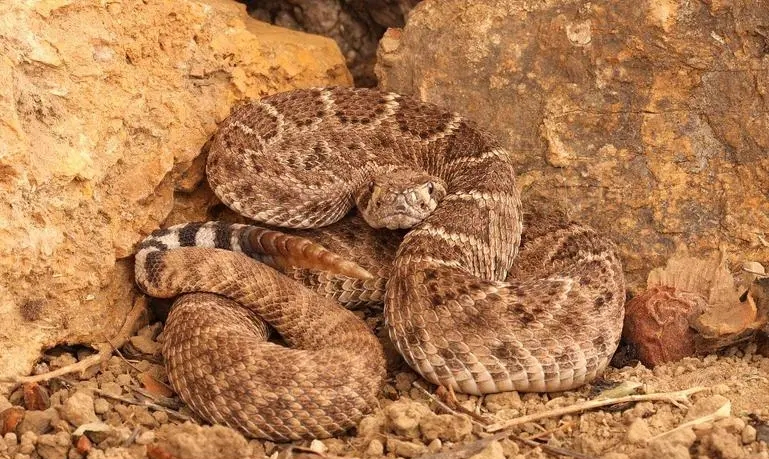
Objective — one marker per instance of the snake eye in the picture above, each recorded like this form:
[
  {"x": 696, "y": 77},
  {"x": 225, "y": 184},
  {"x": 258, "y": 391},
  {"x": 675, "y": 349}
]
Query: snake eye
[
  {"x": 430, "y": 187},
  {"x": 371, "y": 185}
]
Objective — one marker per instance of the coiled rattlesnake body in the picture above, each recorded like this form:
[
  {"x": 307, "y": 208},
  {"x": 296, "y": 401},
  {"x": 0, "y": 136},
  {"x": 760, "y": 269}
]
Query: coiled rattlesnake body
[{"x": 457, "y": 308}]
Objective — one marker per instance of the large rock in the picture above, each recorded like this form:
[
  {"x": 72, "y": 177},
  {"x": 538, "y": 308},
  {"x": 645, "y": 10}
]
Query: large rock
[
  {"x": 650, "y": 121},
  {"x": 103, "y": 108}
]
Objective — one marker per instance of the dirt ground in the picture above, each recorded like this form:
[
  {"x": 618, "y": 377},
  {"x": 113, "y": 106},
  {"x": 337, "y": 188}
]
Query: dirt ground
[{"x": 124, "y": 409}]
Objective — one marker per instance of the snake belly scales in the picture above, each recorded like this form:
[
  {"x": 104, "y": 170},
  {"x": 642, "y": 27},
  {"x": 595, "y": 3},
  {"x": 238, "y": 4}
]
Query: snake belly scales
[{"x": 457, "y": 307}]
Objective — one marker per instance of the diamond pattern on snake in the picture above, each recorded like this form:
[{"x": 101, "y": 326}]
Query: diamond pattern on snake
[{"x": 479, "y": 295}]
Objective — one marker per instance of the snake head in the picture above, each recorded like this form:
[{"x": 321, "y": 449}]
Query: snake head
[{"x": 399, "y": 199}]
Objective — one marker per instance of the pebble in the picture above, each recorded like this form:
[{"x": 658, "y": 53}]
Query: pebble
[
  {"x": 112, "y": 388},
  {"x": 101, "y": 406},
  {"x": 403, "y": 381},
  {"x": 10, "y": 439},
  {"x": 53, "y": 446},
  {"x": 447, "y": 427},
  {"x": 405, "y": 448},
  {"x": 145, "y": 438},
  {"x": 509, "y": 447},
  {"x": 370, "y": 426},
  {"x": 503, "y": 401},
  {"x": 375, "y": 448},
  {"x": 722, "y": 444},
  {"x": 39, "y": 422},
  {"x": 404, "y": 416},
  {"x": 435, "y": 445},
  {"x": 78, "y": 409},
  {"x": 317, "y": 446},
  {"x": 4, "y": 403},
  {"x": 145, "y": 345},
  {"x": 160, "y": 416},
  {"x": 124, "y": 379},
  {"x": 27, "y": 443},
  {"x": 748, "y": 434},
  {"x": 492, "y": 451}
]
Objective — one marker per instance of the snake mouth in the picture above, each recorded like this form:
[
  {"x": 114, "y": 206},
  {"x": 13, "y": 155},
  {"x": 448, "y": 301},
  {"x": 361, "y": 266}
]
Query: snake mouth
[{"x": 401, "y": 220}]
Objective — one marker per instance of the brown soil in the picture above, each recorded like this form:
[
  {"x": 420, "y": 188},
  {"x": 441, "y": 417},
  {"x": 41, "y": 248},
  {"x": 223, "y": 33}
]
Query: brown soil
[{"x": 122, "y": 409}]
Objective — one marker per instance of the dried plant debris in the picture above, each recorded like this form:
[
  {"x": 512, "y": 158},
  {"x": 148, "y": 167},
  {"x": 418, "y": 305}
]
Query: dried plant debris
[
  {"x": 123, "y": 408},
  {"x": 694, "y": 307}
]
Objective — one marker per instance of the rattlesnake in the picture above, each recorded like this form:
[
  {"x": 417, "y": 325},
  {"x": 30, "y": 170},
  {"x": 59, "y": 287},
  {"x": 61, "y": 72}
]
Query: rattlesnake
[{"x": 457, "y": 308}]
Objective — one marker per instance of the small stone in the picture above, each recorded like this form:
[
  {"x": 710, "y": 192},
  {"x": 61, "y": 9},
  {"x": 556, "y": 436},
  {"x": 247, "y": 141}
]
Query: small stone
[
  {"x": 318, "y": 446},
  {"x": 145, "y": 345},
  {"x": 136, "y": 414},
  {"x": 405, "y": 448},
  {"x": 78, "y": 409},
  {"x": 732, "y": 424},
  {"x": 145, "y": 438},
  {"x": 509, "y": 447},
  {"x": 404, "y": 416},
  {"x": 403, "y": 381},
  {"x": 722, "y": 444},
  {"x": 53, "y": 446},
  {"x": 62, "y": 360},
  {"x": 4, "y": 403},
  {"x": 112, "y": 388},
  {"x": 150, "y": 331},
  {"x": 749, "y": 434},
  {"x": 435, "y": 445},
  {"x": 161, "y": 417},
  {"x": 101, "y": 406},
  {"x": 11, "y": 418},
  {"x": 638, "y": 432},
  {"x": 39, "y": 422},
  {"x": 10, "y": 439},
  {"x": 27, "y": 443},
  {"x": 375, "y": 448},
  {"x": 447, "y": 427},
  {"x": 503, "y": 401},
  {"x": 124, "y": 379},
  {"x": 492, "y": 451}
]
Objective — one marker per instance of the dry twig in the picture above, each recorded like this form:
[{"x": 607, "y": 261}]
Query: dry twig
[
  {"x": 672, "y": 397},
  {"x": 443, "y": 405},
  {"x": 145, "y": 403}
]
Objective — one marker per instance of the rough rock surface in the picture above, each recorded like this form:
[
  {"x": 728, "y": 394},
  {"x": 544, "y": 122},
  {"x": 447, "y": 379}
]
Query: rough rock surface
[
  {"x": 356, "y": 25},
  {"x": 649, "y": 121},
  {"x": 103, "y": 107}
]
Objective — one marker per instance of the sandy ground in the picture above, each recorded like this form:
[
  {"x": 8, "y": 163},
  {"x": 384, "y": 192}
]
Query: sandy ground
[{"x": 123, "y": 409}]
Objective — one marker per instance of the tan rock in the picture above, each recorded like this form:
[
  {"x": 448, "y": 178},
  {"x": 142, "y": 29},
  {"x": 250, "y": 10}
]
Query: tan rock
[
  {"x": 405, "y": 448},
  {"x": 103, "y": 110},
  {"x": 492, "y": 451},
  {"x": 502, "y": 401},
  {"x": 404, "y": 415},
  {"x": 636, "y": 121},
  {"x": 448, "y": 427},
  {"x": 78, "y": 409}
]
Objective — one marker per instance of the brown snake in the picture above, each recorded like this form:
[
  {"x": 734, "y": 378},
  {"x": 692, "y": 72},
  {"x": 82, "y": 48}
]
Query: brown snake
[{"x": 457, "y": 308}]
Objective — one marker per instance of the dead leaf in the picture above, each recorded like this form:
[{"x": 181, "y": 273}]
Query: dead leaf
[
  {"x": 10, "y": 418},
  {"x": 155, "y": 387},
  {"x": 35, "y": 397}
]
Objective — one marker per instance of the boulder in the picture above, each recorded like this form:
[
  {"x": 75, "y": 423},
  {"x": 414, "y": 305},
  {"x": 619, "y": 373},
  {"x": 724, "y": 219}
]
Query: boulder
[
  {"x": 649, "y": 121},
  {"x": 104, "y": 108}
]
